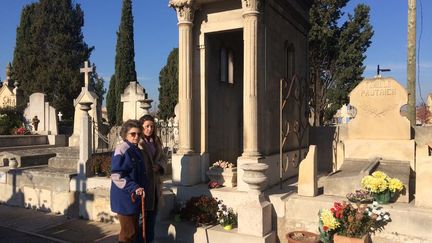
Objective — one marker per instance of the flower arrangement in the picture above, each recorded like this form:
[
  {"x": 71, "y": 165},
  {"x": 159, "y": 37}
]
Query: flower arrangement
[
  {"x": 226, "y": 216},
  {"x": 222, "y": 164},
  {"x": 20, "y": 131},
  {"x": 379, "y": 182},
  {"x": 351, "y": 220}
]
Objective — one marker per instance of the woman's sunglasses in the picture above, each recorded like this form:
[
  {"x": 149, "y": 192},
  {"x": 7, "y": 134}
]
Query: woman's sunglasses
[{"x": 134, "y": 134}]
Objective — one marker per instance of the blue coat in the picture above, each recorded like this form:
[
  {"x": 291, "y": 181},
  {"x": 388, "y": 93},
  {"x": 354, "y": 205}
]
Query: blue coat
[{"x": 127, "y": 174}]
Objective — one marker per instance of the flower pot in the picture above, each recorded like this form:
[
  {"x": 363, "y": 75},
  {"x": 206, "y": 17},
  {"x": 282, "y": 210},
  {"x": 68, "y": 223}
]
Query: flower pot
[
  {"x": 383, "y": 197},
  {"x": 228, "y": 227},
  {"x": 345, "y": 239},
  {"x": 302, "y": 236},
  {"x": 226, "y": 177}
]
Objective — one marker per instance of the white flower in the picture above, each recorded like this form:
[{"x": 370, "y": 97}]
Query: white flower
[
  {"x": 378, "y": 218},
  {"x": 386, "y": 217},
  {"x": 375, "y": 203}
]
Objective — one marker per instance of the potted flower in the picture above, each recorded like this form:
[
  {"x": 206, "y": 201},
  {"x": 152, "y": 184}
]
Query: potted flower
[
  {"x": 381, "y": 186},
  {"x": 360, "y": 196},
  {"x": 224, "y": 173},
  {"x": 201, "y": 210},
  {"x": 302, "y": 236},
  {"x": 226, "y": 216},
  {"x": 354, "y": 222}
]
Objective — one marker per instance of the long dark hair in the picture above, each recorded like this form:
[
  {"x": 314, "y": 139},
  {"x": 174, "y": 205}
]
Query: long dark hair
[{"x": 154, "y": 135}]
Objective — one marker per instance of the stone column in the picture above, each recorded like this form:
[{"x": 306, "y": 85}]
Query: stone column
[
  {"x": 85, "y": 150},
  {"x": 251, "y": 153},
  {"x": 185, "y": 14},
  {"x": 186, "y": 163},
  {"x": 250, "y": 78},
  {"x": 204, "y": 114}
]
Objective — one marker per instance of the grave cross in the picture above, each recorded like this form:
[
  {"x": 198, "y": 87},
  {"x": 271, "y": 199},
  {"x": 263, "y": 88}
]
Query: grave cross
[
  {"x": 86, "y": 70},
  {"x": 60, "y": 116},
  {"x": 132, "y": 97}
]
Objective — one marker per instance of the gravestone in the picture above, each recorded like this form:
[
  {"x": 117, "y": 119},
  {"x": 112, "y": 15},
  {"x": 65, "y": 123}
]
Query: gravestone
[
  {"x": 87, "y": 95},
  {"x": 135, "y": 101},
  {"x": 46, "y": 114},
  {"x": 379, "y": 138},
  {"x": 10, "y": 94}
]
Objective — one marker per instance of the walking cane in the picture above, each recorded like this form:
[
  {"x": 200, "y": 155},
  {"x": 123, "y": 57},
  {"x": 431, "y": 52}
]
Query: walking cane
[{"x": 142, "y": 212}]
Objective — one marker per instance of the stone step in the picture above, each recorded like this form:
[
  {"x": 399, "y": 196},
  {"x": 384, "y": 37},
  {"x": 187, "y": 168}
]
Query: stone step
[
  {"x": 26, "y": 147},
  {"x": 67, "y": 152},
  {"x": 63, "y": 162},
  {"x": 186, "y": 232},
  {"x": 22, "y": 140}
]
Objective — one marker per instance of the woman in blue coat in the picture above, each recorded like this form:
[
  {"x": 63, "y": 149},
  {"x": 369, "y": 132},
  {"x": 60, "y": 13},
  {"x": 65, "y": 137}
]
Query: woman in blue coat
[{"x": 129, "y": 179}]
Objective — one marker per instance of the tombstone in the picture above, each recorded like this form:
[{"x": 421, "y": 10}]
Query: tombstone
[
  {"x": 87, "y": 95},
  {"x": 379, "y": 138},
  {"x": 38, "y": 107},
  {"x": 135, "y": 101}
]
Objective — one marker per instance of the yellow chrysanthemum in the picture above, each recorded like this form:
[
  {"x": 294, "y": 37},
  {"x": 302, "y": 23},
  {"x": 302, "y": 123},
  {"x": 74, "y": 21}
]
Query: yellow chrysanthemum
[
  {"x": 379, "y": 175},
  {"x": 374, "y": 184},
  {"x": 328, "y": 219},
  {"x": 395, "y": 185}
]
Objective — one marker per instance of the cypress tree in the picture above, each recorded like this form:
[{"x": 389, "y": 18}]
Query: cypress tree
[
  {"x": 50, "y": 50},
  {"x": 111, "y": 102},
  {"x": 125, "y": 58},
  {"x": 168, "y": 89},
  {"x": 336, "y": 54},
  {"x": 354, "y": 39}
]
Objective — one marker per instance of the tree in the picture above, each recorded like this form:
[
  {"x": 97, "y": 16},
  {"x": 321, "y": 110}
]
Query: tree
[
  {"x": 424, "y": 115},
  {"x": 168, "y": 90},
  {"x": 336, "y": 54},
  {"x": 124, "y": 64},
  {"x": 50, "y": 50},
  {"x": 98, "y": 84},
  {"x": 111, "y": 102}
]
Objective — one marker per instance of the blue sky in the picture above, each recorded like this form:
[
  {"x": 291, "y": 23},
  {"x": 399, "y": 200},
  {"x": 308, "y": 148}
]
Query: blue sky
[{"x": 156, "y": 34}]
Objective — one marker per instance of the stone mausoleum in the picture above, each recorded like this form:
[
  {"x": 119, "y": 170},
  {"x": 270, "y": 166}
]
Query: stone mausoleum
[{"x": 232, "y": 56}]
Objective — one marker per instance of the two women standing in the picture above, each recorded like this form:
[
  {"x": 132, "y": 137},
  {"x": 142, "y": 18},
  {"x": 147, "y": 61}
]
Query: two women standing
[{"x": 136, "y": 167}]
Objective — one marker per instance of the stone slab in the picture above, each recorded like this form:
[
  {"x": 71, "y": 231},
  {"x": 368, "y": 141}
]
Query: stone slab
[
  {"x": 348, "y": 178},
  {"x": 26, "y": 158},
  {"x": 396, "y": 150},
  {"x": 423, "y": 182},
  {"x": 308, "y": 172},
  {"x": 186, "y": 233}
]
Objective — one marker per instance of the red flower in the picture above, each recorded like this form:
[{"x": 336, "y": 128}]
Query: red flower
[{"x": 325, "y": 228}]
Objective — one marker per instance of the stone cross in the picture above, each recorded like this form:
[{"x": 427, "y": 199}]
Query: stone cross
[
  {"x": 60, "y": 116},
  {"x": 131, "y": 98},
  {"x": 86, "y": 70}
]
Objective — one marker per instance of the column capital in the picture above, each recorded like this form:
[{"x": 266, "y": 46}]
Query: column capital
[
  {"x": 185, "y": 10},
  {"x": 250, "y": 6}
]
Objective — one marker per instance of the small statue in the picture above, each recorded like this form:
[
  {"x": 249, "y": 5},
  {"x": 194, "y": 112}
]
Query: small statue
[{"x": 35, "y": 122}]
